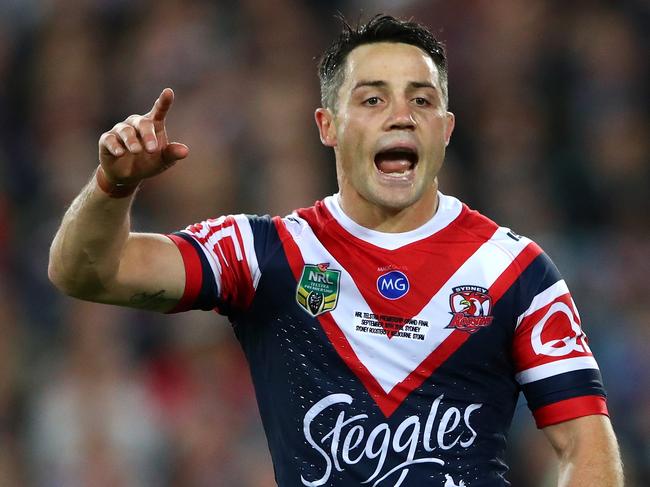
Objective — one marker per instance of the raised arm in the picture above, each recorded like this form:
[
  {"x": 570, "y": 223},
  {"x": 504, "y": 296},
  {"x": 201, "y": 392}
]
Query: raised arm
[
  {"x": 587, "y": 451},
  {"x": 94, "y": 256}
]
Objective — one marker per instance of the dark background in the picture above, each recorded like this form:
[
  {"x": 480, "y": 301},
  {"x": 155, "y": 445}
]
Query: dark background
[{"x": 551, "y": 103}]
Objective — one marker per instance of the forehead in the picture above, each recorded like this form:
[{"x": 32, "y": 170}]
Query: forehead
[{"x": 389, "y": 61}]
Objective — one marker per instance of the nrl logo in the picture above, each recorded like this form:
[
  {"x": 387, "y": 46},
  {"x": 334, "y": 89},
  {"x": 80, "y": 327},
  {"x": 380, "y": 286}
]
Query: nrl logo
[
  {"x": 318, "y": 288},
  {"x": 471, "y": 307}
]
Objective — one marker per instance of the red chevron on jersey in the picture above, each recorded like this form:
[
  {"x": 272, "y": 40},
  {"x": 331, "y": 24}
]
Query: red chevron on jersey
[
  {"x": 389, "y": 368},
  {"x": 367, "y": 263}
]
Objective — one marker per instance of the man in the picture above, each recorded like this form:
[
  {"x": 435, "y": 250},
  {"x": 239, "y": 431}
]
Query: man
[{"x": 389, "y": 328}]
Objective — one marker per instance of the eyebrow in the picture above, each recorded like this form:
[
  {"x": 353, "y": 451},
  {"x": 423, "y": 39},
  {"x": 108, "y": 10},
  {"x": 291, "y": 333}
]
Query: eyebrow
[
  {"x": 382, "y": 84},
  {"x": 364, "y": 83},
  {"x": 422, "y": 84}
]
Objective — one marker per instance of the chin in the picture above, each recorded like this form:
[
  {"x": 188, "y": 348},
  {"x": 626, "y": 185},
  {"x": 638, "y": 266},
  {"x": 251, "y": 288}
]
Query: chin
[{"x": 394, "y": 202}]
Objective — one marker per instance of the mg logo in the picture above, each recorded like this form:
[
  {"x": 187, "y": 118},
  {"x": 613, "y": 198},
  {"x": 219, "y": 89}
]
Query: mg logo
[{"x": 393, "y": 285}]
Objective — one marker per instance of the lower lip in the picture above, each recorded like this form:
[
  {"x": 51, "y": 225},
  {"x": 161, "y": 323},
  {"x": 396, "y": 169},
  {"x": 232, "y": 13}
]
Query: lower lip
[{"x": 402, "y": 179}]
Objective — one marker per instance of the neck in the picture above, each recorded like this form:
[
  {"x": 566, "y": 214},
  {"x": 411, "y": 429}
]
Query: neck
[{"x": 390, "y": 220}]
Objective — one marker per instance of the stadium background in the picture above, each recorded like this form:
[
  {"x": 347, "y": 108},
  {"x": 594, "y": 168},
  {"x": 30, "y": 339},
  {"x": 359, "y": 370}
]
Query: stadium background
[{"x": 552, "y": 139}]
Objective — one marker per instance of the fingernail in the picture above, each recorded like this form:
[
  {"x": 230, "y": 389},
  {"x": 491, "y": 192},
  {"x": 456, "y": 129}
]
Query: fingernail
[{"x": 151, "y": 145}]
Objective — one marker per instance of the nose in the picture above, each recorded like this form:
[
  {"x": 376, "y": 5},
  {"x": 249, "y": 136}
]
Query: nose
[{"x": 400, "y": 117}]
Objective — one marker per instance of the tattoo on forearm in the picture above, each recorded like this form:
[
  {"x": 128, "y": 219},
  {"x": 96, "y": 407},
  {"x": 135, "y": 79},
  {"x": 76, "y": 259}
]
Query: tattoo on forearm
[{"x": 149, "y": 300}]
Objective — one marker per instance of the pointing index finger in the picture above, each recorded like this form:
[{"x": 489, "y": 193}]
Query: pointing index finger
[{"x": 162, "y": 105}]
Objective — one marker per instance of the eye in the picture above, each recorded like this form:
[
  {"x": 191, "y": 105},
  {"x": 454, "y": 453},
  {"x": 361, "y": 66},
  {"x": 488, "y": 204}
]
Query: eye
[
  {"x": 372, "y": 101},
  {"x": 421, "y": 102}
]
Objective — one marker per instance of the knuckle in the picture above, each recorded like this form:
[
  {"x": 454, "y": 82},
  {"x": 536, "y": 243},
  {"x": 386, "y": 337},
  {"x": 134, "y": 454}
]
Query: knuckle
[
  {"x": 107, "y": 139},
  {"x": 126, "y": 130},
  {"x": 143, "y": 123}
]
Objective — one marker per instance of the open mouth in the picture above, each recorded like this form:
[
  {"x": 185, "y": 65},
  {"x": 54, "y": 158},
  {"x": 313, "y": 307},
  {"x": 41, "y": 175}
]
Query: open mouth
[{"x": 396, "y": 161}]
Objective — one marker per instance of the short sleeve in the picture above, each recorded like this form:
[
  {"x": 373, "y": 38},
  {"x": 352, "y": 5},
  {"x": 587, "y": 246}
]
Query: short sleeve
[
  {"x": 221, "y": 270},
  {"x": 554, "y": 364}
]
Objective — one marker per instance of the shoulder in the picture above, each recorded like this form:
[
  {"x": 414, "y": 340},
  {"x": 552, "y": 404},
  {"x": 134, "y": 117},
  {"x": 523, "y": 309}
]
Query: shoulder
[
  {"x": 499, "y": 237},
  {"x": 241, "y": 234},
  {"x": 528, "y": 260},
  {"x": 303, "y": 219},
  {"x": 240, "y": 221}
]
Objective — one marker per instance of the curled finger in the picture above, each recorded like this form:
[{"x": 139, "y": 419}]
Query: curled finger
[
  {"x": 109, "y": 142},
  {"x": 147, "y": 132},
  {"x": 128, "y": 136}
]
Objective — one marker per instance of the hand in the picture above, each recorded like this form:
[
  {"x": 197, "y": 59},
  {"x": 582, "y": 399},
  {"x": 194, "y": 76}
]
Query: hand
[{"x": 138, "y": 148}]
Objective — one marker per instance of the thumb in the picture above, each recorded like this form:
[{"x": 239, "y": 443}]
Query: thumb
[{"x": 174, "y": 151}]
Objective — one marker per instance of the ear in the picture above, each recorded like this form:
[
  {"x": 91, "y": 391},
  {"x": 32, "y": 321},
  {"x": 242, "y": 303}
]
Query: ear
[
  {"x": 326, "y": 126},
  {"x": 451, "y": 123}
]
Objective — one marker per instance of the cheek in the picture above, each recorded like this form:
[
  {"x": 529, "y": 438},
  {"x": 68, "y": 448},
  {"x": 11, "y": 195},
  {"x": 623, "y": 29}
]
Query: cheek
[
  {"x": 351, "y": 138},
  {"x": 437, "y": 135},
  {"x": 354, "y": 136}
]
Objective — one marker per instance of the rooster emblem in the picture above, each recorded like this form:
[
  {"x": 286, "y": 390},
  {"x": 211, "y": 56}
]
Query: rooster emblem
[{"x": 471, "y": 308}]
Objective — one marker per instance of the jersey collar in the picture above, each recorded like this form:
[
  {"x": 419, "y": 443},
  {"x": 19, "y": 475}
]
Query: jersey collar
[{"x": 449, "y": 208}]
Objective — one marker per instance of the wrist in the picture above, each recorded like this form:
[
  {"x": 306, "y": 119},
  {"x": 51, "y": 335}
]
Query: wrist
[{"x": 114, "y": 190}]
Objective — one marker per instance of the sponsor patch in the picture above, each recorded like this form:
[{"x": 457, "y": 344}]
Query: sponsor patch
[
  {"x": 318, "y": 288},
  {"x": 393, "y": 285},
  {"x": 471, "y": 308}
]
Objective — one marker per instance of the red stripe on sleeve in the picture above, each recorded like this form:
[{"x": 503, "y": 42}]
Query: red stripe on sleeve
[
  {"x": 567, "y": 409},
  {"x": 246, "y": 288},
  {"x": 193, "y": 274}
]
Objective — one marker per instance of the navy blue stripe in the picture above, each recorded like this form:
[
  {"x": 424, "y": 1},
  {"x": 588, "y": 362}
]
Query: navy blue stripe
[
  {"x": 208, "y": 297},
  {"x": 586, "y": 382},
  {"x": 263, "y": 232},
  {"x": 538, "y": 276}
]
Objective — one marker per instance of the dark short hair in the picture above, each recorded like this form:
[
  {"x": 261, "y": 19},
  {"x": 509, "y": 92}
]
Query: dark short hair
[{"x": 380, "y": 28}]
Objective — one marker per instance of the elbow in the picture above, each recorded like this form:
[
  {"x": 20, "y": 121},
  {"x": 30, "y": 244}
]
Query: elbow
[
  {"x": 54, "y": 273},
  {"x": 57, "y": 277},
  {"x": 73, "y": 284}
]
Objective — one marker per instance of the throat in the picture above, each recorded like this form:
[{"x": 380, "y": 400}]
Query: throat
[{"x": 386, "y": 219}]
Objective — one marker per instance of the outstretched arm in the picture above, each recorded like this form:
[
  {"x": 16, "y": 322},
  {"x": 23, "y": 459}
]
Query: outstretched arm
[
  {"x": 588, "y": 452},
  {"x": 94, "y": 256}
]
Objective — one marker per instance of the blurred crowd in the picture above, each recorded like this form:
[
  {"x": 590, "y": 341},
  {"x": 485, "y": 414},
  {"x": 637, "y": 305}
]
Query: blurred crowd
[{"x": 552, "y": 139}]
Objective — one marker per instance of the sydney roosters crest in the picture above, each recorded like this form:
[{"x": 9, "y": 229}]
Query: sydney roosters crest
[{"x": 471, "y": 308}]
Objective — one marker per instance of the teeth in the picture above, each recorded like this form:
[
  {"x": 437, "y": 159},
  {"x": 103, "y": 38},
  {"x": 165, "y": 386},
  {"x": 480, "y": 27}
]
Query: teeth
[{"x": 396, "y": 174}]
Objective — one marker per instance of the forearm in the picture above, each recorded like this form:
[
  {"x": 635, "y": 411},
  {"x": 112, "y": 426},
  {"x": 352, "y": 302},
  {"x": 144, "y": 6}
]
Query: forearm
[
  {"x": 592, "y": 469},
  {"x": 85, "y": 253},
  {"x": 590, "y": 459}
]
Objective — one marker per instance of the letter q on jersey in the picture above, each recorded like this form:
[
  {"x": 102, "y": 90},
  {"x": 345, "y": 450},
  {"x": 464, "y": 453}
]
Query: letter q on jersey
[
  {"x": 556, "y": 319},
  {"x": 393, "y": 285}
]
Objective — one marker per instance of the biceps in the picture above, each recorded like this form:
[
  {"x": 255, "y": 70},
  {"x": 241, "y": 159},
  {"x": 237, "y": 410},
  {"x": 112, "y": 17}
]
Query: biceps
[{"x": 151, "y": 274}]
